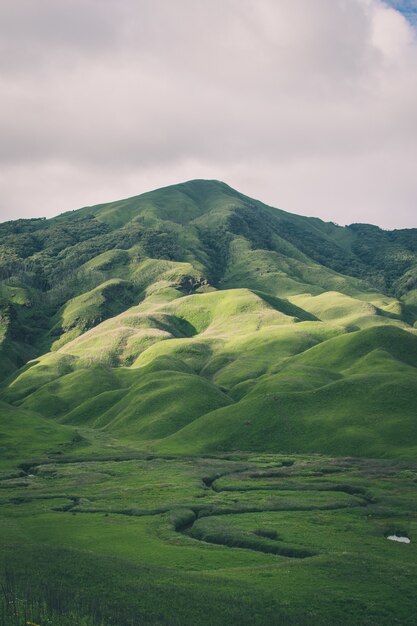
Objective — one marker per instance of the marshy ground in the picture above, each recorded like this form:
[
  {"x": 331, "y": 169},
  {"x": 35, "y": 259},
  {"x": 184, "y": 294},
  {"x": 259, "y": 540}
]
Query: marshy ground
[{"x": 239, "y": 539}]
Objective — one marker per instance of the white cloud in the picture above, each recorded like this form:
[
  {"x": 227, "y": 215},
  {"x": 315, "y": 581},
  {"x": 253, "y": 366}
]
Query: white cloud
[{"x": 310, "y": 105}]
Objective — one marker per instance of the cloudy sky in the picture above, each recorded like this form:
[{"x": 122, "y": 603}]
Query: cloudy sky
[{"x": 309, "y": 105}]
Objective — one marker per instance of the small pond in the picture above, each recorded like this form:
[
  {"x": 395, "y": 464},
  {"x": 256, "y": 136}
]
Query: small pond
[{"x": 399, "y": 538}]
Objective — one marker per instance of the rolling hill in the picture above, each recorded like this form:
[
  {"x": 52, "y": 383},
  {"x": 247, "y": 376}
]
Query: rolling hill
[{"x": 195, "y": 319}]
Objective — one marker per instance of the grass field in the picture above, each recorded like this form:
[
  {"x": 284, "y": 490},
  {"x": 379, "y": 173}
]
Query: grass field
[{"x": 242, "y": 539}]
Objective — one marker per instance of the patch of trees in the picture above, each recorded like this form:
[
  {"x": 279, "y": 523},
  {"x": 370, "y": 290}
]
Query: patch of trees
[
  {"x": 256, "y": 226},
  {"x": 320, "y": 248},
  {"x": 50, "y": 254},
  {"x": 216, "y": 245},
  {"x": 390, "y": 253}
]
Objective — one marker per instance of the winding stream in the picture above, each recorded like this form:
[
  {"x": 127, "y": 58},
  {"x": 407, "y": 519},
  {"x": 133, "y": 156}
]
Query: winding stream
[{"x": 185, "y": 519}]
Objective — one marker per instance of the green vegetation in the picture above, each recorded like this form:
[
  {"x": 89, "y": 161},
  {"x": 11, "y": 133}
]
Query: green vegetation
[
  {"x": 173, "y": 367},
  {"x": 162, "y": 540}
]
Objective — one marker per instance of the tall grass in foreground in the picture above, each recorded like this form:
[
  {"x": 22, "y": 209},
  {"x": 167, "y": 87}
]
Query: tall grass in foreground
[{"x": 27, "y": 600}]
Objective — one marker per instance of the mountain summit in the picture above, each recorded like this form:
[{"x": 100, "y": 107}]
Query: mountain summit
[{"x": 194, "y": 318}]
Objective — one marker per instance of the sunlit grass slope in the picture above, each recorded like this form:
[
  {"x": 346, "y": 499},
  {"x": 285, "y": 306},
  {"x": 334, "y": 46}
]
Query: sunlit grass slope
[
  {"x": 25, "y": 434},
  {"x": 233, "y": 369},
  {"x": 354, "y": 394}
]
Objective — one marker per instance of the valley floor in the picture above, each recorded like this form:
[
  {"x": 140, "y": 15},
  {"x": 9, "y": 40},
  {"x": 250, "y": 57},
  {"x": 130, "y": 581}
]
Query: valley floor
[{"x": 133, "y": 538}]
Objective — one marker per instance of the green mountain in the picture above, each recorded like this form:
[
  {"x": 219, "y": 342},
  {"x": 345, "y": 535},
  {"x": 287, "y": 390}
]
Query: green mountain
[
  {"x": 192, "y": 387},
  {"x": 195, "y": 319}
]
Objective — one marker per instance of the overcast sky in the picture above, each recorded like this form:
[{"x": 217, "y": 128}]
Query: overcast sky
[{"x": 308, "y": 105}]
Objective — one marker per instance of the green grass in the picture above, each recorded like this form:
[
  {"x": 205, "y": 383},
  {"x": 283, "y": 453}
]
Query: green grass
[
  {"x": 25, "y": 434},
  {"x": 362, "y": 415},
  {"x": 233, "y": 369},
  {"x": 91, "y": 308},
  {"x": 287, "y": 543},
  {"x": 188, "y": 321}
]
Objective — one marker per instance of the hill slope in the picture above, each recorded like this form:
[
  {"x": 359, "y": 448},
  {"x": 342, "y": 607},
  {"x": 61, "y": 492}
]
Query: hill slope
[{"x": 194, "y": 318}]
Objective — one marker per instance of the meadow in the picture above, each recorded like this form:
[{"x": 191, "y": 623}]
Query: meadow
[{"x": 242, "y": 538}]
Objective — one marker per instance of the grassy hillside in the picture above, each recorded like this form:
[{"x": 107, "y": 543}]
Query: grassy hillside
[
  {"x": 195, "y": 318},
  {"x": 187, "y": 380}
]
